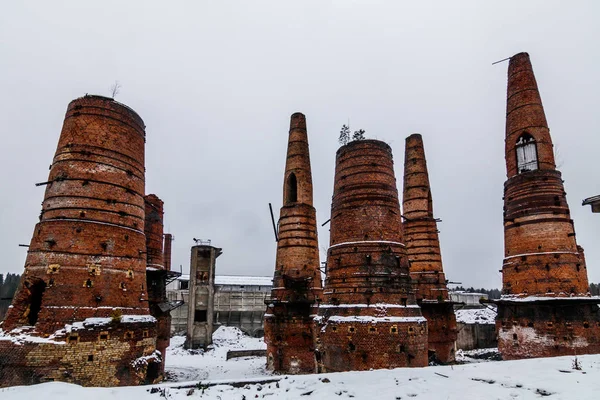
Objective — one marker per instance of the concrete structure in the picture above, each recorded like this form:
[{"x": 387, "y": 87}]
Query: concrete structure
[
  {"x": 297, "y": 279},
  {"x": 238, "y": 301},
  {"x": 423, "y": 251},
  {"x": 82, "y": 299},
  {"x": 546, "y": 309},
  {"x": 369, "y": 316},
  {"x": 201, "y": 288},
  {"x": 594, "y": 202}
]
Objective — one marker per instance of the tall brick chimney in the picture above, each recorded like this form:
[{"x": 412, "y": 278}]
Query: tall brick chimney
[
  {"x": 84, "y": 281},
  {"x": 544, "y": 275},
  {"x": 167, "y": 250},
  {"x": 297, "y": 279},
  {"x": 423, "y": 250},
  {"x": 369, "y": 317}
]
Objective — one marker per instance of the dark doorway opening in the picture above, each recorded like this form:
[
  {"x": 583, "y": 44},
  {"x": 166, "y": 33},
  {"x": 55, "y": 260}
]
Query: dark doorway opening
[{"x": 36, "y": 290}]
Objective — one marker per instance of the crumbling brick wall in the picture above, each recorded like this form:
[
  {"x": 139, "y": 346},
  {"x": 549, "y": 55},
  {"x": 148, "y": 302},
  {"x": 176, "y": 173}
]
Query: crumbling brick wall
[
  {"x": 87, "y": 254},
  {"x": 542, "y": 258},
  {"x": 369, "y": 317},
  {"x": 297, "y": 279}
]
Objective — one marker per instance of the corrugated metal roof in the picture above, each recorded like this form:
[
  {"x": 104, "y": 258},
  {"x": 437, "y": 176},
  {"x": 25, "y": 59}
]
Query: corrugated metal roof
[{"x": 591, "y": 200}]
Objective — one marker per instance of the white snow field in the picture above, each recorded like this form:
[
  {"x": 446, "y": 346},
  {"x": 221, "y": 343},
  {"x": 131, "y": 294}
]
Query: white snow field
[{"x": 551, "y": 378}]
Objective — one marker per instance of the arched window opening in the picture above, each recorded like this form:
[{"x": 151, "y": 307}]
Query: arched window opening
[
  {"x": 526, "y": 153},
  {"x": 291, "y": 189}
]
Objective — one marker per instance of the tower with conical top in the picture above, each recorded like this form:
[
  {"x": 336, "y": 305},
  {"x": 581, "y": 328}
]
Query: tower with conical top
[
  {"x": 424, "y": 256},
  {"x": 369, "y": 317},
  {"x": 297, "y": 279},
  {"x": 545, "y": 309}
]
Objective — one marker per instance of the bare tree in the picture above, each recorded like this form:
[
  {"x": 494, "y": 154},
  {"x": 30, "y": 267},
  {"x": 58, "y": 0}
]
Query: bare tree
[
  {"x": 359, "y": 135},
  {"x": 114, "y": 89}
]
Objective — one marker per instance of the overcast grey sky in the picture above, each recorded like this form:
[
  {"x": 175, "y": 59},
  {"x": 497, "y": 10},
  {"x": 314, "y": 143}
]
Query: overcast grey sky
[{"x": 216, "y": 83}]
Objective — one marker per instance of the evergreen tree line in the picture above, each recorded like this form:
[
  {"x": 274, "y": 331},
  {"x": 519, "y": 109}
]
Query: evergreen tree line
[{"x": 8, "y": 287}]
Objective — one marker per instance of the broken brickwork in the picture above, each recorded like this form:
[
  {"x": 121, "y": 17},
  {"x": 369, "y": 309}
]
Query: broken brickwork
[
  {"x": 86, "y": 265},
  {"x": 546, "y": 309},
  {"x": 297, "y": 279},
  {"x": 423, "y": 251},
  {"x": 369, "y": 317},
  {"x": 156, "y": 273}
]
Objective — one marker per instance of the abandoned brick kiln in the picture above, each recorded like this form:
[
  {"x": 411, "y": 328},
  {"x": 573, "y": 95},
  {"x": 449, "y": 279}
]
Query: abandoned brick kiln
[
  {"x": 546, "y": 309},
  {"x": 83, "y": 310},
  {"x": 424, "y": 255},
  {"x": 297, "y": 279}
]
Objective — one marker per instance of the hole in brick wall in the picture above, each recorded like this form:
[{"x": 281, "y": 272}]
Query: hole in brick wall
[
  {"x": 381, "y": 289},
  {"x": 129, "y": 274},
  {"x": 103, "y": 335},
  {"x": 368, "y": 257},
  {"x": 123, "y": 286},
  {"x": 530, "y": 324},
  {"x": 540, "y": 247},
  {"x": 401, "y": 348},
  {"x": 547, "y": 267},
  {"x": 578, "y": 266},
  {"x": 104, "y": 245},
  {"x": 128, "y": 335},
  {"x": 549, "y": 324},
  {"x": 145, "y": 333},
  {"x": 122, "y": 214},
  {"x": 91, "y": 357},
  {"x": 372, "y": 329},
  {"x": 78, "y": 230},
  {"x": 129, "y": 172},
  {"x": 403, "y": 301},
  {"x": 516, "y": 269},
  {"x": 51, "y": 283},
  {"x": 411, "y": 329},
  {"x": 85, "y": 183},
  {"x": 36, "y": 292},
  {"x": 586, "y": 324},
  {"x": 515, "y": 337},
  {"x": 53, "y": 269},
  {"x": 334, "y": 328},
  {"x": 126, "y": 238},
  {"x": 278, "y": 338},
  {"x": 523, "y": 258},
  {"x": 74, "y": 338},
  {"x": 82, "y": 214},
  {"x": 351, "y": 329},
  {"x": 569, "y": 325},
  {"x": 366, "y": 237},
  {"x": 88, "y": 283},
  {"x": 355, "y": 249},
  {"x": 394, "y": 329},
  {"x": 51, "y": 243},
  {"x": 291, "y": 189},
  {"x": 351, "y": 346}
]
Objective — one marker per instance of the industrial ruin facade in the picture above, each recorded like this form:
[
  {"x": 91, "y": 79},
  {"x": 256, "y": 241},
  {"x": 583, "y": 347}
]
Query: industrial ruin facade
[
  {"x": 369, "y": 316},
  {"x": 546, "y": 309},
  {"x": 297, "y": 279},
  {"x": 424, "y": 255},
  {"x": 82, "y": 311}
]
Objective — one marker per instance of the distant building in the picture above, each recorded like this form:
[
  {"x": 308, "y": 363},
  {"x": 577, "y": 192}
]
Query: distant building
[
  {"x": 594, "y": 202},
  {"x": 238, "y": 301},
  {"x": 467, "y": 300}
]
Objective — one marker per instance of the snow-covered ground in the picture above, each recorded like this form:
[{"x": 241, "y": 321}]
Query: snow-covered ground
[
  {"x": 553, "y": 378},
  {"x": 185, "y": 365},
  {"x": 476, "y": 316}
]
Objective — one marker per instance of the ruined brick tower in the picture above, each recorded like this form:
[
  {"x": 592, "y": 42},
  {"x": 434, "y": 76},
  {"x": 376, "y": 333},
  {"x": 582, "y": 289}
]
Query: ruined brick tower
[
  {"x": 157, "y": 273},
  {"x": 545, "y": 309},
  {"x": 369, "y": 317},
  {"x": 297, "y": 279},
  {"x": 81, "y": 311},
  {"x": 424, "y": 256}
]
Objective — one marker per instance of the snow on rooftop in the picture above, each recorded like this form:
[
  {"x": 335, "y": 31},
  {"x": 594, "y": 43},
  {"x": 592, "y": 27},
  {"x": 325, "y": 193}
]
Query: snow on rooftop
[{"x": 483, "y": 316}]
